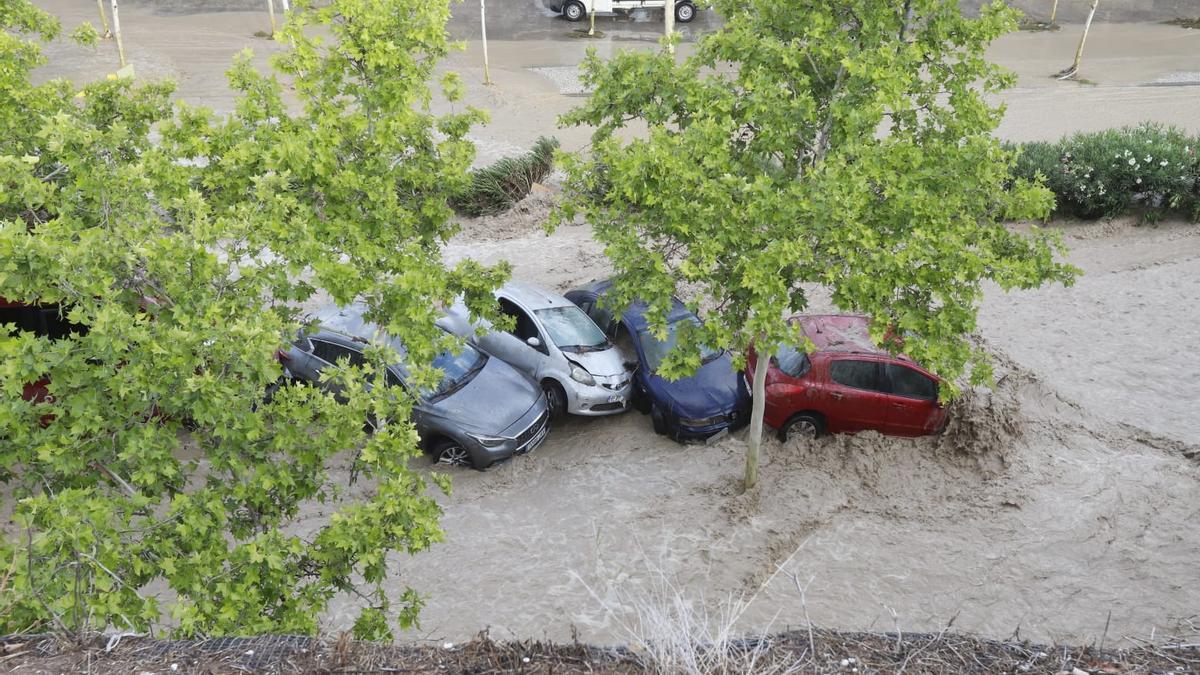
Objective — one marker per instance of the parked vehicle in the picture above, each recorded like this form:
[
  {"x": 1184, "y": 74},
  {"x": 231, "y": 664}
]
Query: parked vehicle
[
  {"x": 559, "y": 347},
  {"x": 848, "y": 384},
  {"x": 482, "y": 412},
  {"x": 577, "y": 10},
  {"x": 712, "y": 401},
  {"x": 48, "y": 321}
]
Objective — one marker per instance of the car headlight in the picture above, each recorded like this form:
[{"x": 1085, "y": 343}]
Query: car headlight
[
  {"x": 582, "y": 376},
  {"x": 489, "y": 441}
]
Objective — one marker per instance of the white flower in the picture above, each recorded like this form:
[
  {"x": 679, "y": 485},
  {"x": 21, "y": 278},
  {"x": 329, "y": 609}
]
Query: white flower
[
  {"x": 1149, "y": 158},
  {"x": 1163, "y": 163},
  {"x": 1132, "y": 162},
  {"x": 1139, "y": 181}
]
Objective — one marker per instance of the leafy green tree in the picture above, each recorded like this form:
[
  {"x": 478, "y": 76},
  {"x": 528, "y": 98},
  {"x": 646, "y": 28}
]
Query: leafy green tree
[
  {"x": 181, "y": 244},
  {"x": 844, "y": 144}
]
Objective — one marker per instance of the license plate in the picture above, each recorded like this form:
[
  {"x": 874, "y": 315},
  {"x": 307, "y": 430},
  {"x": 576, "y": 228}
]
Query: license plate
[
  {"x": 724, "y": 433},
  {"x": 617, "y": 399}
]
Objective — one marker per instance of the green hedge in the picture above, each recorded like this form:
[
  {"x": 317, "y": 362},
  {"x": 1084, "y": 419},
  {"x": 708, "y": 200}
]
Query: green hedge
[
  {"x": 1149, "y": 169},
  {"x": 496, "y": 187}
]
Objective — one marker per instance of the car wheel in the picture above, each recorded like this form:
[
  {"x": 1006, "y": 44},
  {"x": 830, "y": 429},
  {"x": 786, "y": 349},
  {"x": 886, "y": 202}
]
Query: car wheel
[
  {"x": 640, "y": 401},
  {"x": 574, "y": 11},
  {"x": 658, "y": 421},
  {"x": 685, "y": 12},
  {"x": 556, "y": 399},
  {"x": 451, "y": 453},
  {"x": 802, "y": 425}
]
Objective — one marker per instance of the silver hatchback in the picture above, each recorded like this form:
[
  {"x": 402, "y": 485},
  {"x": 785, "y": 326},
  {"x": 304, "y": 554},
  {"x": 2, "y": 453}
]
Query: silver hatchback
[{"x": 558, "y": 346}]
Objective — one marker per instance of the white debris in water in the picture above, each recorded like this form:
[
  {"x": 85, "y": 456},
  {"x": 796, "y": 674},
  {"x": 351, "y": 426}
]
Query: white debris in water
[
  {"x": 566, "y": 78},
  {"x": 1181, "y": 77}
]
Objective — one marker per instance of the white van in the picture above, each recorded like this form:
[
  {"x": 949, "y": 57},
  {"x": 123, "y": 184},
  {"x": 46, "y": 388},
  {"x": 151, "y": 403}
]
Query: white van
[{"x": 577, "y": 10}]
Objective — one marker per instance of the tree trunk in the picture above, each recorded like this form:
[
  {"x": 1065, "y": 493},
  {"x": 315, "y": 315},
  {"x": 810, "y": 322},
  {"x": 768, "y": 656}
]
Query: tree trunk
[
  {"x": 103, "y": 19},
  {"x": 117, "y": 33},
  {"x": 1071, "y": 72},
  {"x": 487, "y": 77},
  {"x": 669, "y": 23},
  {"x": 1054, "y": 11},
  {"x": 758, "y": 407},
  {"x": 286, "y": 5},
  {"x": 271, "y": 12}
]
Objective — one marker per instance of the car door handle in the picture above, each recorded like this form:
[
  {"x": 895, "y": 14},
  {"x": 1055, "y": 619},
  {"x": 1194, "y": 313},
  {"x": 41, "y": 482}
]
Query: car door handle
[
  {"x": 836, "y": 395},
  {"x": 898, "y": 406}
]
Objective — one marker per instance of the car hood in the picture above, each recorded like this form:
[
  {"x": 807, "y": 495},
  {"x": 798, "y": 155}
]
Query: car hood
[
  {"x": 605, "y": 363},
  {"x": 491, "y": 402},
  {"x": 715, "y": 389}
]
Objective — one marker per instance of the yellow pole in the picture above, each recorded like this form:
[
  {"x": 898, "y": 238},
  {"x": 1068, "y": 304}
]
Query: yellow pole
[
  {"x": 103, "y": 19},
  {"x": 117, "y": 33}
]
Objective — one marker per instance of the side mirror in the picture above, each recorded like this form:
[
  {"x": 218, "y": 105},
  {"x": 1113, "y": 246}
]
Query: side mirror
[{"x": 534, "y": 342}]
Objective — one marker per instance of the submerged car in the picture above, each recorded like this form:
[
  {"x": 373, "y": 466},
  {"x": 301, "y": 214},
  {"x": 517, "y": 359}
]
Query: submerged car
[
  {"x": 482, "y": 412},
  {"x": 713, "y": 401},
  {"x": 847, "y": 384},
  {"x": 558, "y": 346}
]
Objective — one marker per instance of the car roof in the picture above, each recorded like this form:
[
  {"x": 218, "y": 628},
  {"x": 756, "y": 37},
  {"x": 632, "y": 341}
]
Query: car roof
[
  {"x": 533, "y": 297},
  {"x": 349, "y": 322},
  {"x": 838, "y": 333},
  {"x": 635, "y": 314}
]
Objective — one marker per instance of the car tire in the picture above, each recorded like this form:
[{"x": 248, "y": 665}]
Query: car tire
[
  {"x": 556, "y": 399},
  {"x": 801, "y": 425},
  {"x": 685, "y": 12},
  {"x": 574, "y": 11},
  {"x": 639, "y": 400},
  {"x": 450, "y": 453},
  {"x": 658, "y": 421}
]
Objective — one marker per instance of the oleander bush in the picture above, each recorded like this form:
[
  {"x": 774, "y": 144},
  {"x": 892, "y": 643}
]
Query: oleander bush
[{"x": 1149, "y": 169}]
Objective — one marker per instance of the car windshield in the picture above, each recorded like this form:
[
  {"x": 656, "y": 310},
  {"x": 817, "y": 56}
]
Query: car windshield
[
  {"x": 571, "y": 330},
  {"x": 656, "y": 350},
  {"x": 791, "y": 361},
  {"x": 458, "y": 369}
]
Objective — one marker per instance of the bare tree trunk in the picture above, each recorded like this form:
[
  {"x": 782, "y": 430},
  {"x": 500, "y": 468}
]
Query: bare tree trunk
[
  {"x": 103, "y": 19},
  {"x": 591, "y": 24},
  {"x": 1074, "y": 69},
  {"x": 758, "y": 406},
  {"x": 286, "y": 5},
  {"x": 669, "y": 23},
  {"x": 487, "y": 77},
  {"x": 1054, "y": 11},
  {"x": 271, "y": 12},
  {"x": 117, "y": 32}
]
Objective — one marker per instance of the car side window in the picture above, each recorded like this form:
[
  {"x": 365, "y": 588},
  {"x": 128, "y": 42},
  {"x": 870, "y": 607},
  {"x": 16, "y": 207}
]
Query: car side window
[
  {"x": 856, "y": 374},
  {"x": 904, "y": 381},
  {"x": 332, "y": 353},
  {"x": 524, "y": 327},
  {"x": 393, "y": 379},
  {"x": 599, "y": 315}
]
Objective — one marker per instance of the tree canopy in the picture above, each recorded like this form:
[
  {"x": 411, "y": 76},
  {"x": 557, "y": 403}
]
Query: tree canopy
[
  {"x": 181, "y": 244},
  {"x": 846, "y": 144}
]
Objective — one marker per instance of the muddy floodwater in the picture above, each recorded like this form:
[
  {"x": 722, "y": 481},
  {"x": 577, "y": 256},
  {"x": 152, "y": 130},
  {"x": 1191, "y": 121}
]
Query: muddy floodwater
[{"x": 1063, "y": 505}]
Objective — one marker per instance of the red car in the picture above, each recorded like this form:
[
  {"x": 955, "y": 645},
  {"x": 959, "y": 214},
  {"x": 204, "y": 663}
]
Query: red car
[{"x": 848, "y": 384}]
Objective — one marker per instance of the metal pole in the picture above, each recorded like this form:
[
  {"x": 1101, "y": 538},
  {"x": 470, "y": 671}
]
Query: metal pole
[
  {"x": 487, "y": 77},
  {"x": 103, "y": 19},
  {"x": 117, "y": 33},
  {"x": 669, "y": 23}
]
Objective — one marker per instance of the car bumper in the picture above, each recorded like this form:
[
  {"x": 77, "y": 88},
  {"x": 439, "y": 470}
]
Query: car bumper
[
  {"x": 597, "y": 400},
  {"x": 523, "y": 436},
  {"x": 685, "y": 433}
]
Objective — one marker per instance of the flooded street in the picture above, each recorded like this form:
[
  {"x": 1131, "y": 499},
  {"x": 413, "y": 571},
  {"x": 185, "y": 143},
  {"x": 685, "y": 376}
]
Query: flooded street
[{"x": 1068, "y": 494}]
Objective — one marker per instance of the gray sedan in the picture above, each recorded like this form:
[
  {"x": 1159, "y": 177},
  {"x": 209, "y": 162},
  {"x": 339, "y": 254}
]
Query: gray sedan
[{"x": 482, "y": 412}]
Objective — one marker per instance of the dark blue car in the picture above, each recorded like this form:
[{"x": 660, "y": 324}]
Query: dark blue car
[{"x": 712, "y": 401}]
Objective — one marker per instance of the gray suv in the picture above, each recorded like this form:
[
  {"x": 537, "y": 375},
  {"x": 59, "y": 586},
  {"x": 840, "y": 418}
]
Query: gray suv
[{"x": 482, "y": 412}]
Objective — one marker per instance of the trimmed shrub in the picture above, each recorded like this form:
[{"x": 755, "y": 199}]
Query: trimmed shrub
[
  {"x": 1148, "y": 168},
  {"x": 496, "y": 187}
]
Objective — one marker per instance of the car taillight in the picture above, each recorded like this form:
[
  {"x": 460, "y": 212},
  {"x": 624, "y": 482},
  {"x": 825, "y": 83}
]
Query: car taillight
[{"x": 282, "y": 356}]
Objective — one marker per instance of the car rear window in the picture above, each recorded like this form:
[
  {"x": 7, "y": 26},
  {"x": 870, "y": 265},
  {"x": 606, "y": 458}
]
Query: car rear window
[
  {"x": 857, "y": 374},
  {"x": 904, "y": 381},
  {"x": 792, "y": 362}
]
